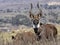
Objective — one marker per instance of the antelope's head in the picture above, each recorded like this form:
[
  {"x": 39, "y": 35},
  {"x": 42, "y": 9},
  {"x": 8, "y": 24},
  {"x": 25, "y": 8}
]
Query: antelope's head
[{"x": 35, "y": 16}]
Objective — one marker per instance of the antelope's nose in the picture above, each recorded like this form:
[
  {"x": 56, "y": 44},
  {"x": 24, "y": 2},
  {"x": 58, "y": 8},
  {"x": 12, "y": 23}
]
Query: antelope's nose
[{"x": 35, "y": 22}]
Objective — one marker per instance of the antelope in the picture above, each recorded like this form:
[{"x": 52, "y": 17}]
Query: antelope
[{"x": 41, "y": 30}]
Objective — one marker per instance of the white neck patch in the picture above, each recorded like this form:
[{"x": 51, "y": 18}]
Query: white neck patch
[{"x": 36, "y": 26}]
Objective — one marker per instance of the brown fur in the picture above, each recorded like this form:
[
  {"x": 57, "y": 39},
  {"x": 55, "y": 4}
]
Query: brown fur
[
  {"x": 49, "y": 31},
  {"x": 45, "y": 30},
  {"x": 24, "y": 37}
]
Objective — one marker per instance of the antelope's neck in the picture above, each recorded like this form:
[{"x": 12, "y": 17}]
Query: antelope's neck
[{"x": 36, "y": 27}]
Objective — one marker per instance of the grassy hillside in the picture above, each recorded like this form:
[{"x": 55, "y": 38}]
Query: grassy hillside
[{"x": 6, "y": 37}]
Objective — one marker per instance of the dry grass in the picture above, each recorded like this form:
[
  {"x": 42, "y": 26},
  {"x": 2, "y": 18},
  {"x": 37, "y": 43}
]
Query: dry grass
[
  {"x": 58, "y": 28},
  {"x": 24, "y": 36}
]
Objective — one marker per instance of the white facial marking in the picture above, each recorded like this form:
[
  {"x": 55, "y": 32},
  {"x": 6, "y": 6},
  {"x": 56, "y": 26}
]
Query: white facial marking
[{"x": 36, "y": 26}]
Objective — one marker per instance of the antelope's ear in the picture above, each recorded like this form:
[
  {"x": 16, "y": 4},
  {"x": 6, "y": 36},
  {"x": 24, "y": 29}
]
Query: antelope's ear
[
  {"x": 31, "y": 15},
  {"x": 40, "y": 14}
]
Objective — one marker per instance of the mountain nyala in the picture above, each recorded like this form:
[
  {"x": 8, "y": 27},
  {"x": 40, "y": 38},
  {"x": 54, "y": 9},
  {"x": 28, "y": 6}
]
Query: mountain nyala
[{"x": 41, "y": 30}]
